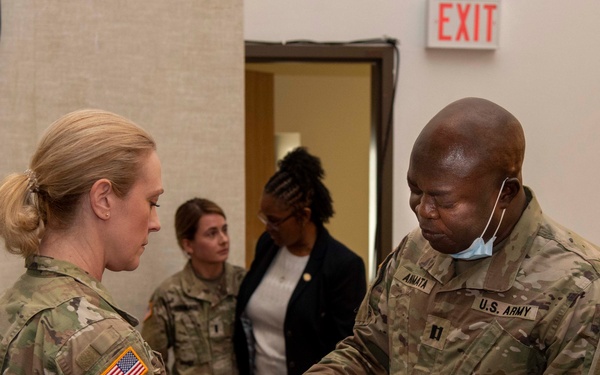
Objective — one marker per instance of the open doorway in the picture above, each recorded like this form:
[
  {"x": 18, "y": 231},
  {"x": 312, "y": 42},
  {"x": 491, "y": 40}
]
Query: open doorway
[{"x": 338, "y": 100}]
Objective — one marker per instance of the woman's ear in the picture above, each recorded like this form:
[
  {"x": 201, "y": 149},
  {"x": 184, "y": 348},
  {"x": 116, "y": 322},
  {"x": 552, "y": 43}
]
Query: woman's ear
[
  {"x": 306, "y": 214},
  {"x": 512, "y": 187},
  {"x": 102, "y": 198},
  {"x": 187, "y": 246}
]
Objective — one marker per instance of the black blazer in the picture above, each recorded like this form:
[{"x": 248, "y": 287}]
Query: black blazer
[{"x": 321, "y": 311}]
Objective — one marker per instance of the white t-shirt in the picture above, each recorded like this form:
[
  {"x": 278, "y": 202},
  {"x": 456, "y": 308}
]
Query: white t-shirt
[{"x": 267, "y": 308}]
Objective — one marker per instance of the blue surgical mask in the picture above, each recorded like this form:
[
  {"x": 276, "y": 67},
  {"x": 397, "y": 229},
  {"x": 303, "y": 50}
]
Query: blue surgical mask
[{"x": 479, "y": 248}]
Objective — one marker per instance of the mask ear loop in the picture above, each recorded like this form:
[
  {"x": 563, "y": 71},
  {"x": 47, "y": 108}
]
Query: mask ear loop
[
  {"x": 503, "y": 211},
  {"x": 499, "y": 223}
]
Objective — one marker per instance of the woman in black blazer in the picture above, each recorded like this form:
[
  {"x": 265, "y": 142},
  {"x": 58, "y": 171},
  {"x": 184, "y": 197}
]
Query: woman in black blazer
[{"x": 303, "y": 288}]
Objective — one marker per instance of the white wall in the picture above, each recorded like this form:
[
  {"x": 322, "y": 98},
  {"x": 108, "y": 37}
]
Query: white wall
[{"x": 545, "y": 72}]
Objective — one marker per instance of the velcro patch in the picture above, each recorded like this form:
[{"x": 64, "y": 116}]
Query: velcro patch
[
  {"x": 436, "y": 332},
  {"x": 97, "y": 348}
]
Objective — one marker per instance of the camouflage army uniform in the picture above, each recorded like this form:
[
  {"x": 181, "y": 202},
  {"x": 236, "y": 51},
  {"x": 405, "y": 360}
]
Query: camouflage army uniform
[
  {"x": 56, "y": 319},
  {"x": 184, "y": 314},
  {"x": 531, "y": 308}
]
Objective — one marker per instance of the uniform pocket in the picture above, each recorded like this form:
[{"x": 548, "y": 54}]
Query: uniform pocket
[
  {"x": 497, "y": 351},
  {"x": 191, "y": 345},
  {"x": 220, "y": 331},
  {"x": 492, "y": 351}
]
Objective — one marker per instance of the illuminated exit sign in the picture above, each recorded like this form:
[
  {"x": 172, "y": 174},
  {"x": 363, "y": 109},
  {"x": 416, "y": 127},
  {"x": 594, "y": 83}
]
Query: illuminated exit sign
[{"x": 463, "y": 24}]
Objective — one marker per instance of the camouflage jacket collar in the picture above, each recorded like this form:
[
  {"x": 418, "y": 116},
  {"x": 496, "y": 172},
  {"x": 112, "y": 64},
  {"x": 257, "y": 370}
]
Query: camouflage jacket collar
[
  {"x": 496, "y": 273},
  {"x": 196, "y": 288},
  {"x": 47, "y": 266}
]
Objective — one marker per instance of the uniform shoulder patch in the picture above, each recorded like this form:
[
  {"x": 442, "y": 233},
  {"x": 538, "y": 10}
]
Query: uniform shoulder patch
[
  {"x": 128, "y": 363},
  {"x": 149, "y": 311}
]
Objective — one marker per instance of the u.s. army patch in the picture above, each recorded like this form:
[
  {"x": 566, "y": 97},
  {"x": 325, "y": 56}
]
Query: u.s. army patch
[
  {"x": 128, "y": 363},
  {"x": 413, "y": 280},
  {"x": 503, "y": 309}
]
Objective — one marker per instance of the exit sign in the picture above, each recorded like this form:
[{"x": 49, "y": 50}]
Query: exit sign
[{"x": 463, "y": 24}]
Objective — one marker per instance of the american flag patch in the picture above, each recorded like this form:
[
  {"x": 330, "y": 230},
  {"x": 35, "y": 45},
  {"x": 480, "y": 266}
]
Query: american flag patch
[{"x": 128, "y": 363}]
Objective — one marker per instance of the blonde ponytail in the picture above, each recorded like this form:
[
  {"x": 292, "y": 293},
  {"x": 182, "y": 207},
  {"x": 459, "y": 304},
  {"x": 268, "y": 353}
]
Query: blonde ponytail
[{"x": 21, "y": 223}]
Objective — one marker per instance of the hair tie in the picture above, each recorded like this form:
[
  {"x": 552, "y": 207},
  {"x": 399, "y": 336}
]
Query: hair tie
[{"x": 33, "y": 182}]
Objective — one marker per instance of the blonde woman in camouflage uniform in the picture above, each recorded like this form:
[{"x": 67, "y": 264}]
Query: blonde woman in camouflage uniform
[
  {"x": 192, "y": 312},
  {"x": 86, "y": 204},
  {"x": 488, "y": 284}
]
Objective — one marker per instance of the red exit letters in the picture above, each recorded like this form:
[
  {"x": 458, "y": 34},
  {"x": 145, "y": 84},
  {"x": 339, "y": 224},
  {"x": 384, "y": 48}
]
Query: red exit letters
[{"x": 463, "y": 24}]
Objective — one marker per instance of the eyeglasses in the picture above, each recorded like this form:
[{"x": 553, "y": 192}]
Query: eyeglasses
[{"x": 274, "y": 224}]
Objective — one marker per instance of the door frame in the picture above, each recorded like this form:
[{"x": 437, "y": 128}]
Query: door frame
[{"x": 381, "y": 57}]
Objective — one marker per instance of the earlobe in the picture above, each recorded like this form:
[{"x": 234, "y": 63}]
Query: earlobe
[
  {"x": 512, "y": 187},
  {"x": 307, "y": 213},
  {"x": 187, "y": 248},
  {"x": 101, "y": 198}
]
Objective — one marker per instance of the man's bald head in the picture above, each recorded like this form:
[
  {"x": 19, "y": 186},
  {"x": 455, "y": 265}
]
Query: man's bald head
[{"x": 473, "y": 135}]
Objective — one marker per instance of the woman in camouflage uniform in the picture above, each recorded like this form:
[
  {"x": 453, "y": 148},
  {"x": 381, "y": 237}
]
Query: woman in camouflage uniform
[
  {"x": 86, "y": 204},
  {"x": 193, "y": 311}
]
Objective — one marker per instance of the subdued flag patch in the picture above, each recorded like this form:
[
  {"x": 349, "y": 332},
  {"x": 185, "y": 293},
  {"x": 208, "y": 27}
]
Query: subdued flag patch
[{"x": 128, "y": 363}]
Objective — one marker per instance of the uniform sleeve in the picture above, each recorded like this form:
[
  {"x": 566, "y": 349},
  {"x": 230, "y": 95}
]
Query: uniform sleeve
[
  {"x": 576, "y": 346},
  {"x": 156, "y": 326},
  {"x": 105, "y": 346},
  {"x": 366, "y": 351}
]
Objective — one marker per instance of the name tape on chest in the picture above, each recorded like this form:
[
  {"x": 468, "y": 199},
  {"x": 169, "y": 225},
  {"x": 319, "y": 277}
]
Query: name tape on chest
[
  {"x": 503, "y": 309},
  {"x": 413, "y": 280}
]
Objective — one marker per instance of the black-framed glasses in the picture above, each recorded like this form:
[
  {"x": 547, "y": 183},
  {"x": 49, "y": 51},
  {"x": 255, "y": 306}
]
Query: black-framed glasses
[{"x": 273, "y": 223}]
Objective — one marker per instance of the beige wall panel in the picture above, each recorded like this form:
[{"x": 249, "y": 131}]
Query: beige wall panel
[
  {"x": 260, "y": 153},
  {"x": 174, "y": 67},
  {"x": 335, "y": 126}
]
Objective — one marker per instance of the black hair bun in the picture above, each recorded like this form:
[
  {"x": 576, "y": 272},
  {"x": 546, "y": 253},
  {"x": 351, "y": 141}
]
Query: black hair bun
[{"x": 302, "y": 165}]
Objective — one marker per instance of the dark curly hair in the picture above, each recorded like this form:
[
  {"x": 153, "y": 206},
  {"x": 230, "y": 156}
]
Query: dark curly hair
[{"x": 298, "y": 183}]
